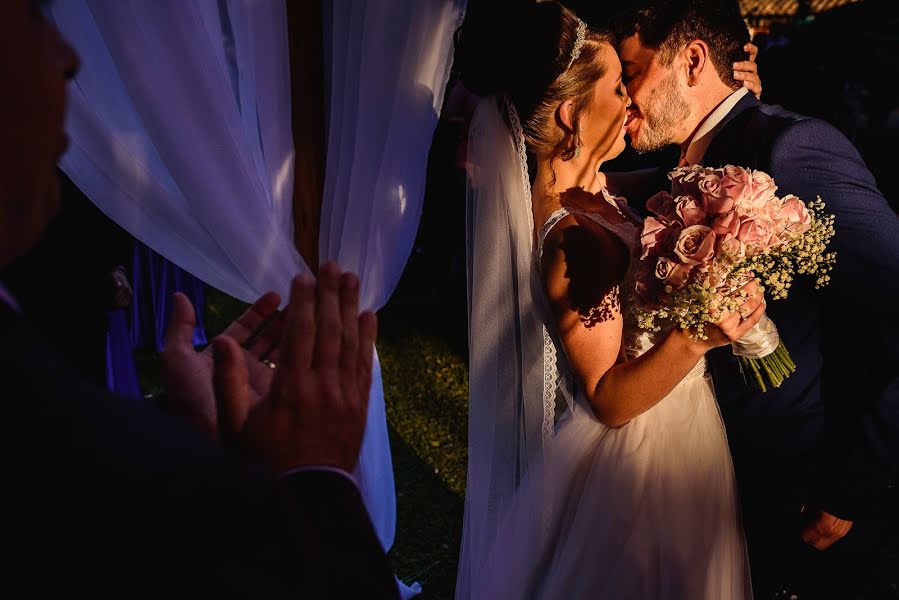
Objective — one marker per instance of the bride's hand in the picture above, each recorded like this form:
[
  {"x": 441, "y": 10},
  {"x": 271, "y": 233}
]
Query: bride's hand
[
  {"x": 747, "y": 71},
  {"x": 734, "y": 325}
]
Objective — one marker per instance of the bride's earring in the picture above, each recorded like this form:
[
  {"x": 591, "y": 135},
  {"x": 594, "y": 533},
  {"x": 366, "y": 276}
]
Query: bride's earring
[{"x": 577, "y": 148}]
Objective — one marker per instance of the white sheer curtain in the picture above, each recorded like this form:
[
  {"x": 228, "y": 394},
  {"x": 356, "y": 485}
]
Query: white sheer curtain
[
  {"x": 180, "y": 129},
  {"x": 388, "y": 64},
  {"x": 390, "y": 61}
]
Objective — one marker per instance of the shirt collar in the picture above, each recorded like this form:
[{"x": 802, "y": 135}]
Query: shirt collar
[{"x": 710, "y": 127}]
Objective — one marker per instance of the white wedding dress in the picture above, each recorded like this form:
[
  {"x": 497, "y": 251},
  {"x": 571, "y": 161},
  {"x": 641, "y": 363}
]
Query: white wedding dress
[
  {"x": 557, "y": 505},
  {"x": 648, "y": 510}
]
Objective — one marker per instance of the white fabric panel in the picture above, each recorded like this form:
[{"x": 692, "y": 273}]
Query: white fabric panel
[
  {"x": 190, "y": 152},
  {"x": 389, "y": 62},
  {"x": 389, "y": 68},
  {"x": 181, "y": 132}
]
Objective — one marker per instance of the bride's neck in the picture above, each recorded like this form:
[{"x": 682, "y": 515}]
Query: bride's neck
[{"x": 557, "y": 176}]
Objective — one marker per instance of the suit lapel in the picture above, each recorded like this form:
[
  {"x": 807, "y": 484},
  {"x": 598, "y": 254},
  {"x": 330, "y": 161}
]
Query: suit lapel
[{"x": 731, "y": 145}]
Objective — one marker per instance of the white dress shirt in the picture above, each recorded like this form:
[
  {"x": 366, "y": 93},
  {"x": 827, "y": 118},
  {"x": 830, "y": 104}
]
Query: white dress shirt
[{"x": 695, "y": 152}]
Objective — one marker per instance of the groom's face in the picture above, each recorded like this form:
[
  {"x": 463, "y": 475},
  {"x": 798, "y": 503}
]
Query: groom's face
[{"x": 659, "y": 110}]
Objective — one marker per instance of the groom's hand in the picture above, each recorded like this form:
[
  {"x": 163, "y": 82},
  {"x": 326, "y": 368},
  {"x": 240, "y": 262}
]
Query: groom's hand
[{"x": 823, "y": 530}]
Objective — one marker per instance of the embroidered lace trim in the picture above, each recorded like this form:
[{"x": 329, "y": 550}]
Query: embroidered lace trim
[
  {"x": 550, "y": 367},
  {"x": 626, "y": 231}
]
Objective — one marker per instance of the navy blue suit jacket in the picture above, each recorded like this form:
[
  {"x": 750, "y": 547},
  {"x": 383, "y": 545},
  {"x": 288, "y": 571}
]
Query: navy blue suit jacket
[
  {"x": 828, "y": 437},
  {"x": 106, "y": 497}
]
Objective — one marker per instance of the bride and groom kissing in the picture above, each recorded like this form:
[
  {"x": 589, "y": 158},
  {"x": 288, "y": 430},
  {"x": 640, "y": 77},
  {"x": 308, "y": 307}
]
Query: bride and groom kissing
[{"x": 608, "y": 462}]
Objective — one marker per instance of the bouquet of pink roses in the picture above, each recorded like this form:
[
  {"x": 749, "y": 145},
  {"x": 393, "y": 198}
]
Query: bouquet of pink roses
[{"x": 716, "y": 230}]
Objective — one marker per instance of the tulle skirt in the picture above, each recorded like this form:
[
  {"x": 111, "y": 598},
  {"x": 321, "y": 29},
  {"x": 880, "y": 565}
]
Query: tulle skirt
[{"x": 648, "y": 511}]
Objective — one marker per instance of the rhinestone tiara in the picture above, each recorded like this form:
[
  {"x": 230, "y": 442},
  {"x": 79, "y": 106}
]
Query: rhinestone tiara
[{"x": 580, "y": 38}]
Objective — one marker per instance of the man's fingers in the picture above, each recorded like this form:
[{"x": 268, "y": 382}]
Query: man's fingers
[
  {"x": 232, "y": 386},
  {"x": 180, "y": 328},
  {"x": 298, "y": 342},
  {"x": 368, "y": 332},
  {"x": 349, "y": 316},
  {"x": 752, "y": 50},
  {"x": 329, "y": 332},
  {"x": 745, "y": 68},
  {"x": 246, "y": 328}
]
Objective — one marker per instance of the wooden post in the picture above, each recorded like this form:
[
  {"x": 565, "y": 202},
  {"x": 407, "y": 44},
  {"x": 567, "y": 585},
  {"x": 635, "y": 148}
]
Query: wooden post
[{"x": 307, "y": 93}]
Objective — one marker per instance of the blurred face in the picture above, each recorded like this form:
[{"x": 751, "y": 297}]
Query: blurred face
[
  {"x": 659, "y": 109},
  {"x": 602, "y": 124},
  {"x": 35, "y": 63}
]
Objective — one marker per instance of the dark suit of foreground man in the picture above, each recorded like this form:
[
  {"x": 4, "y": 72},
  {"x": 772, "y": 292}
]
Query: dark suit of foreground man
[
  {"x": 107, "y": 497},
  {"x": 814, "y": 458}
]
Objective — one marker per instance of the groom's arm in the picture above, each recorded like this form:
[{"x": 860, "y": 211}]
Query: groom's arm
[{"x": 811, "y": 158}]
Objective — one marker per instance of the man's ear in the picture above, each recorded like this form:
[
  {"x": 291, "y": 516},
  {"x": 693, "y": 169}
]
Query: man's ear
[
  {"x": 697, "y": 58},
  {"x": 565, "y": 114}
]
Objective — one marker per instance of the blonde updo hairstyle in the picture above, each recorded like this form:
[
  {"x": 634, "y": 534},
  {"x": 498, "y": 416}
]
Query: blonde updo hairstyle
[{"x": 523, "y": 50}]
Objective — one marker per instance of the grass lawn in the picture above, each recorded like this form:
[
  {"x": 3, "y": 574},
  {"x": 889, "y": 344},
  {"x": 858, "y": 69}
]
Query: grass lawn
[{"x": 423, "y": 353}]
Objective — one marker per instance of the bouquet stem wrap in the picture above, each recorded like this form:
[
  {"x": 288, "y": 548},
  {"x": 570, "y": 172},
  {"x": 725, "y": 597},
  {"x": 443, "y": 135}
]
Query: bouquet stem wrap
[{"x": 764, "y": 359}]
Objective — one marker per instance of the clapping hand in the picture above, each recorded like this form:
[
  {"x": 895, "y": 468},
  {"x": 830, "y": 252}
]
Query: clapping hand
[
  {"x": 188, "y": 373},
  {"x": 314, "y": 411}
]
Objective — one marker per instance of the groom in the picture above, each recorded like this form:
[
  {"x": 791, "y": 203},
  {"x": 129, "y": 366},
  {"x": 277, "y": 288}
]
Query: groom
[{"x": 813, "y": 458}]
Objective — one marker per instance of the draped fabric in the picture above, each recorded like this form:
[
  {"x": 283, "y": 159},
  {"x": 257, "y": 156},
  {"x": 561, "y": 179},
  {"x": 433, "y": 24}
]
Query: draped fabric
[
  {"x": 154, "y": 279},
  {"x": 387, "y": 65},
  {"x": 121, "y": 373},
  {"x": 180, "y": 130},
  {"x": 512, "y": 370}
]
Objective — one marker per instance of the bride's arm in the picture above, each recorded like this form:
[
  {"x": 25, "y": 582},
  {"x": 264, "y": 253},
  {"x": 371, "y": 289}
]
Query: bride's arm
[{"x": 582, "y": 267}]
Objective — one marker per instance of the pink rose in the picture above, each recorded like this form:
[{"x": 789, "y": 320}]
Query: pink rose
[
  {"x": 689, "y": 210},
  {"x": 725, "y": 223},
  {"x": 763, "y": 190},
  {"x": 795, "y": 213},
  {"x": 757, "y": 234},
  {"x": 732, "y": 193},
  {"x": 671, "y": 272},
  {"x": 695, "y": 245},
  {"x": 737, "y": 174},
  {"x": 685, "y": 180},
  {"x": 717, "y": 206},
  {"x": 653, "y": 234},
  {"x": 662, "y": 205},
  {"x": 709, "y": 184},
  {"x": 731, "y": 248}
]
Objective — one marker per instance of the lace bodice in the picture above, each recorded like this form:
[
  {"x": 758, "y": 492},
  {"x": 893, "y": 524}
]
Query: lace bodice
[
  {"x": 635, "y": 341},
  {"x": 626, "y": 230}
]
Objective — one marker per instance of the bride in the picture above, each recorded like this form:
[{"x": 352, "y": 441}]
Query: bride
[{"x": 598, "y": 462}]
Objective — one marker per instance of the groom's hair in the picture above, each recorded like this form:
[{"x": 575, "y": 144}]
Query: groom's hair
[{"x": 669, "y": 25}]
